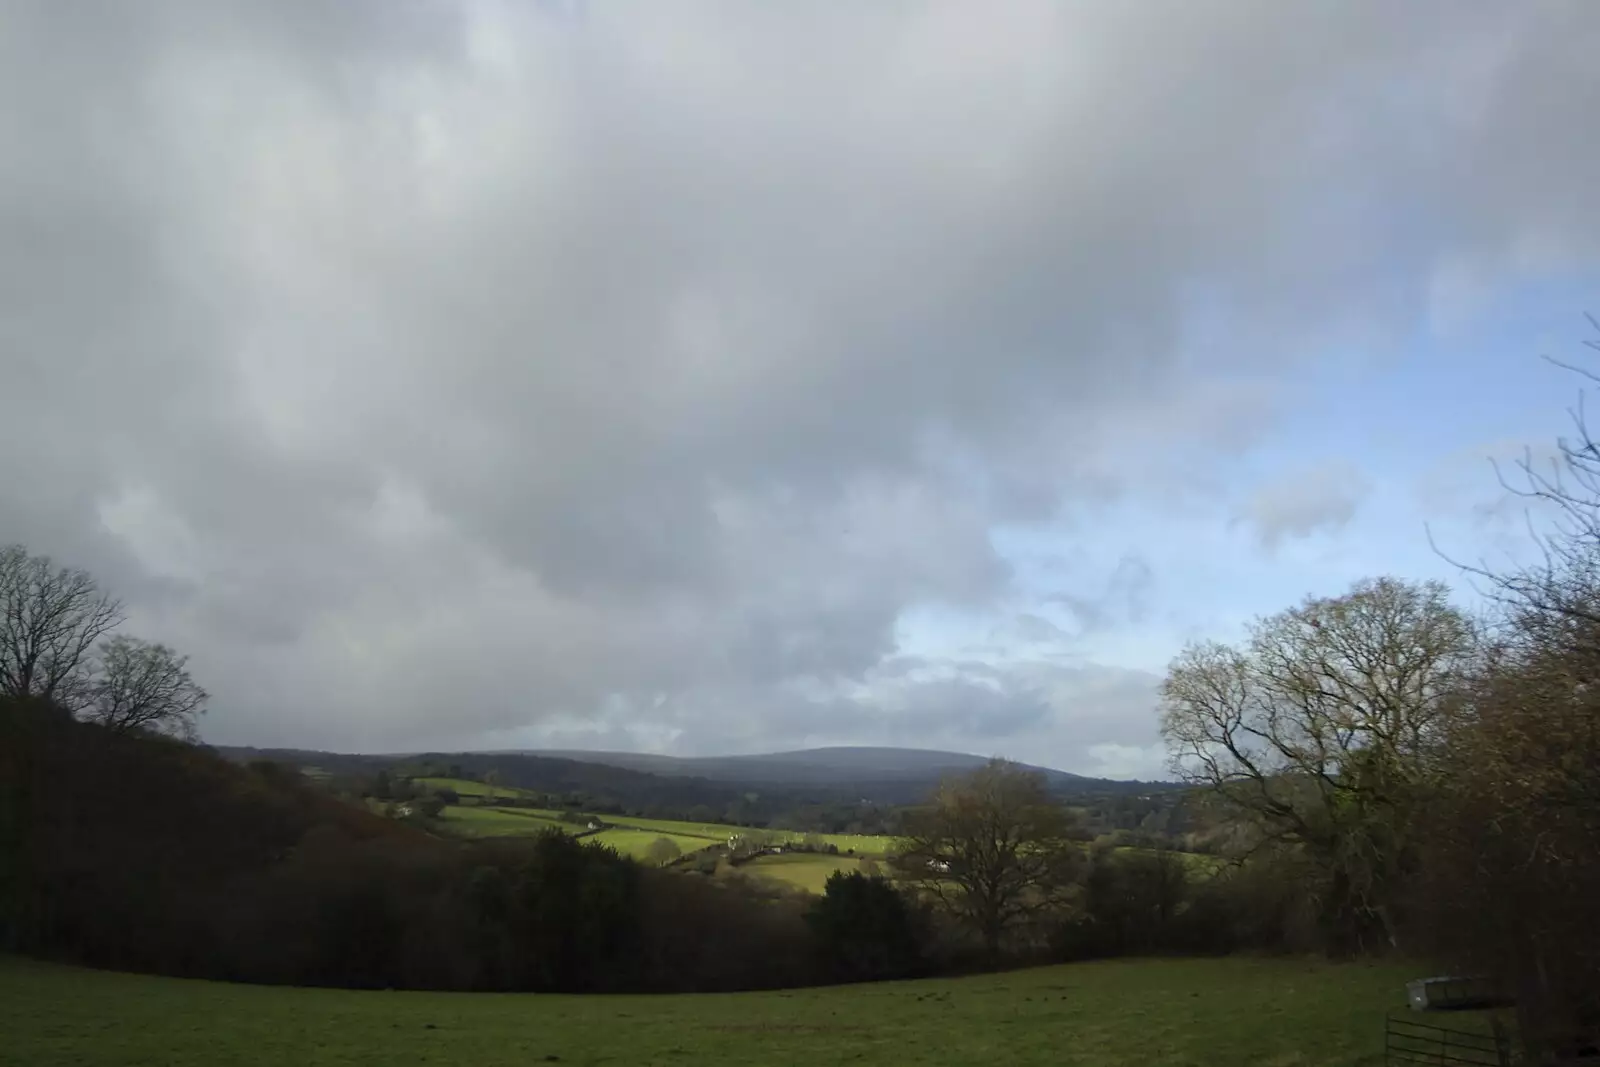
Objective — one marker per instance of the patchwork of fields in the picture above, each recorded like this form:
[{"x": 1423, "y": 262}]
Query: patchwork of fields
[
  {"x": 634, "y": 836},
  {"x": 1176, "y": 1013}
]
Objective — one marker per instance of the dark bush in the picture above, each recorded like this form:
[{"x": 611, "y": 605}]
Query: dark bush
[{"x": 865, "y": 929}]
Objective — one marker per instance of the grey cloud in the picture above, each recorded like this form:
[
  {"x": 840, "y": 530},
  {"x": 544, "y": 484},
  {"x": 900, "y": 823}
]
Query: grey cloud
[
  {"x": 1318, "y": 498},
  {"x": 431, "y": 369}
]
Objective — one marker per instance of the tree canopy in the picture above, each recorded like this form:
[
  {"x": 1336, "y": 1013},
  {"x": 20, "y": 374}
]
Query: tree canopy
[
  {"x": 993, "y": 848},
  {"x": 1324, "y": 727}
]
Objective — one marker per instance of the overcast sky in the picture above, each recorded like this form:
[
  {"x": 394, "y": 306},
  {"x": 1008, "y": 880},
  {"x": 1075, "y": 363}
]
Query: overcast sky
[{"x": 727, "y": 377}]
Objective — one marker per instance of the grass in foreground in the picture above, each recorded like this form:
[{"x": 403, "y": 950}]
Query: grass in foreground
[{"x": 1242, "y": 1012}]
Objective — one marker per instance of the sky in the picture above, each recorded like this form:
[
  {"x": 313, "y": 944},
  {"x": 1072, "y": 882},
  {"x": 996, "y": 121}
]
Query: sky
[{"x": 712, "y": 378}]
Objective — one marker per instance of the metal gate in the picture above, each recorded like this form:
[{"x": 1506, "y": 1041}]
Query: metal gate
[{"x": 1406, "y": 1041}]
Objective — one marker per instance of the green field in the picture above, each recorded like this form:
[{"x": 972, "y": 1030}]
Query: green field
[
  {"x": 709, "y": 831},
  {"x": 466, "y": 787},
  {"x": 863, "y": 844},
  {"x": 473, "y": 821},
  {"x": 1127, "y": 1013},
  {"x": 636, "y": 843},
  {"x": 633, "y": 837},
  {"x": 804, "y": 870},
  {"x": 494, "y": 822}
]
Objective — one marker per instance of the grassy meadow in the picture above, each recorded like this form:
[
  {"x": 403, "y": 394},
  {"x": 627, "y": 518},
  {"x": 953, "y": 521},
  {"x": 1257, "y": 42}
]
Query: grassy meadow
[
  {"x": 803, "y": 870},
  {"x": 1242, "y": 1012},
  {"x": 636, "y": 843}
]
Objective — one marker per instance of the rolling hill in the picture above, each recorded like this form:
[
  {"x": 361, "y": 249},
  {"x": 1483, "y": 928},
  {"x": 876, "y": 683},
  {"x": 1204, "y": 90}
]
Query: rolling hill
[
  {"x": 891, "y": 776},
  {"x": 840, "y": 766}
]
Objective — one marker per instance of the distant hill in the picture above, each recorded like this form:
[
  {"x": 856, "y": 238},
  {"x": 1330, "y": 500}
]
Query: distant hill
[
  {"x": 838, "y": 767},
  {"x": 541, "y": 772},
  {"x": 779, "y": 780}
]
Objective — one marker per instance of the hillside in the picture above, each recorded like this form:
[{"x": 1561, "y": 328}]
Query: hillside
[
  {"x": 736, "y": 788},
  {"x": 543, "y": 773},
  {"x": 845, "y": 767},
  {"x": 128, "y": 852}
]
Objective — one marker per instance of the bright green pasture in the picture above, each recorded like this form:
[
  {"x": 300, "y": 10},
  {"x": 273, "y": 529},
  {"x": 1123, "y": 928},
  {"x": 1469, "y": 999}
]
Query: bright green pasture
[
  {"x": 864, "y": 844},
  {"x": 467, "y": 787},
  {"x": 636, "y": 843},
  {"x": 804, "y": 870}
]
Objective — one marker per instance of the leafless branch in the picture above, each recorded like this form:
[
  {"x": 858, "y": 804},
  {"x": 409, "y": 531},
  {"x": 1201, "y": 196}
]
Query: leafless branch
[
  {"x": 50, "y": 619},
  {"x": 144, "y": 687}
]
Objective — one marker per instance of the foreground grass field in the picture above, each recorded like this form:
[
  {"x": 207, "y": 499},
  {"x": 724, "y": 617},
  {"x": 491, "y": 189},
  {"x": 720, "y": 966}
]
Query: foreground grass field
[{"x": 1240, "y": 1012}]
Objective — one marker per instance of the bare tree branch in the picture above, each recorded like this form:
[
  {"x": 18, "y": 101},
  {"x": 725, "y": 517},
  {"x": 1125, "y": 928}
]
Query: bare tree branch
[
  {"x": 50, "y": 620},
  {"x": 144, "y": 687}
]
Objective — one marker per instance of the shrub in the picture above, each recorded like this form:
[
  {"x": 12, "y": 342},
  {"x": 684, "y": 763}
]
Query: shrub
[{"x": 865, "y": 929}]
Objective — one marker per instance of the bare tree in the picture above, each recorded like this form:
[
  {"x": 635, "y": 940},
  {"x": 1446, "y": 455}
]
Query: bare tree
[
  {"x": 144, "y": 687},
  {"x": 1324, "y": 728},
  {"x": 1565, "y": 579},
  {"x": 992, "y": 848},
  {"x": 1512, "y": 865},
  {"x": 50, "y": 619}
]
